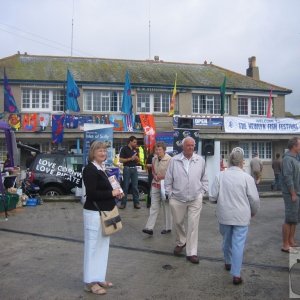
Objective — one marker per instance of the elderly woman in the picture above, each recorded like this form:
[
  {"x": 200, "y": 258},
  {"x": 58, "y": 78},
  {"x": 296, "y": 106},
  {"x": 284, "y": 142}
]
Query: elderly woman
[
  {"x": 96, "y": 245},
  {"x": 160, "y": 164},
  {"x": 237, "y": 201}
]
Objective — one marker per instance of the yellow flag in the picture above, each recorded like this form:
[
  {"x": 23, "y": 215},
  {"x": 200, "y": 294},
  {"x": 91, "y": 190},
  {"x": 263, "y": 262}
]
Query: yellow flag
[{"x": 173, "y": 99}]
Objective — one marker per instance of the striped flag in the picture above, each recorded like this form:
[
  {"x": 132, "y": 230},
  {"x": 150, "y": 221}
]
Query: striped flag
[
  {"x": 270, "y": 105},
  {"x": 173, "y": 99}
]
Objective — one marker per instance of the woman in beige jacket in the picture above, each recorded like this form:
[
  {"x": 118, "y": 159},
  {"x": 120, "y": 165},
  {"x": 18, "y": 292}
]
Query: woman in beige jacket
[{"x": 160, "y": 164}]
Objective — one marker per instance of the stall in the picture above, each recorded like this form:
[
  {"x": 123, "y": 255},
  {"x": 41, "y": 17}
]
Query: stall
[{"x": 11, "y": 148}]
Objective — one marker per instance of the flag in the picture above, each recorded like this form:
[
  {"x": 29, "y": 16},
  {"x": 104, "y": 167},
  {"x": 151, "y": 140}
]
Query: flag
[
  {"x": 127, "y": 99},
  {"x": 148, "y": 124},
  {"x": 9, "y": 100},
  {"x": 270, "y": 105},
  {"x": 58, "y": 128},
  {"x": 72, "y": 94},
  {"x": 222, "y": 96},
  {"x": 173, "y": 99}
]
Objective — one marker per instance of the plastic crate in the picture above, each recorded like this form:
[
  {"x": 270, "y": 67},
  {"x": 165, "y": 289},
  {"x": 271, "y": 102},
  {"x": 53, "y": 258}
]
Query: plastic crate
[
  {"x": 11, "y": 201},
  {"x": 31, "y": 202}
]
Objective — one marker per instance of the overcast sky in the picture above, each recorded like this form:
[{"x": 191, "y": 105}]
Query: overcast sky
[{"x": 225, "y": 32}]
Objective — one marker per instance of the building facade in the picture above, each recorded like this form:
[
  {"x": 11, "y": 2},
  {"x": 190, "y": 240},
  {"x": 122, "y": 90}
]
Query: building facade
[{"x": 38, "y": 85}]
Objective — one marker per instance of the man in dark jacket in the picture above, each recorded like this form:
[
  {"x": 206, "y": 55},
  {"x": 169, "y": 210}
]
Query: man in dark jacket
[
  {"x": 291, "y": 194},
  {"x": 276, "y": 166}
]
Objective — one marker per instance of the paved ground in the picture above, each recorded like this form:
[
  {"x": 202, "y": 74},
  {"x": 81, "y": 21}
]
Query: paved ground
[{"x": 41, "y": 251}]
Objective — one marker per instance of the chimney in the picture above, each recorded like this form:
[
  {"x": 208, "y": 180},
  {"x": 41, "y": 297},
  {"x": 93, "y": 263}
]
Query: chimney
[{"x": 252, "y": 71}]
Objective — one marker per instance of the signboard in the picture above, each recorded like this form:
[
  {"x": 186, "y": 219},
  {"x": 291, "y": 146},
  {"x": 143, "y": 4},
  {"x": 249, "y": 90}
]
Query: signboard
[
  {"x": 261, "y": 125},
  {"x": 200, "y": 121},
  {"x": 98, "y": 132}
]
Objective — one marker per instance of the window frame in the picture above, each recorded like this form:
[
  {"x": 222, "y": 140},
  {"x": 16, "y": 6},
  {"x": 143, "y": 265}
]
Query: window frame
[
  {"x": 110, "y": 101},
  {"x": 257, "y": 106},
  {"x": 200, "y": 103}
]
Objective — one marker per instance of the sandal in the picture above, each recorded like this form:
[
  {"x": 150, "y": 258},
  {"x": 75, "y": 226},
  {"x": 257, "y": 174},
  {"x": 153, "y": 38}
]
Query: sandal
[
  {"x": 106, "y": 284},
  {"x": 95, "y": 289}
]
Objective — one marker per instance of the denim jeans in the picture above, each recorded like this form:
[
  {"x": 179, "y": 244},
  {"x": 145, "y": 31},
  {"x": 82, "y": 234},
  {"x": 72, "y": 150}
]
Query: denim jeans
[
  {"x": 276, "y": 185},
  {"x": 234, "y": 238},
  {"x": 130, "y": 175}
]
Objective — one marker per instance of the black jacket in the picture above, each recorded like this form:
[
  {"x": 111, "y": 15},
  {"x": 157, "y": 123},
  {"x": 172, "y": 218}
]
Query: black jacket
[{"x": 98, "y": 189}]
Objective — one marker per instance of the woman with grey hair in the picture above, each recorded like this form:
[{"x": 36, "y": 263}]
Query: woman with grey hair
[{"x": 237, "y": 201}]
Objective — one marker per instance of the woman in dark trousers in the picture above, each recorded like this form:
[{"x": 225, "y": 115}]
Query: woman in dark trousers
[
  {"x": 96, "y": 245},
  {"x": 150, "y": 176}
]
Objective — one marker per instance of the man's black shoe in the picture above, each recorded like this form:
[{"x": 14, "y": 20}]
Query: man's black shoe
[
  {"x": 137, "y": 206},
  {"x": 148, "y": 231}
]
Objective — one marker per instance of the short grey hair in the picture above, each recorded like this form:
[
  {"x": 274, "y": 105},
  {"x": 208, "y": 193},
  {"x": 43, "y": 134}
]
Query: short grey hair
[
  {"x": 236, "y": 157},
  {"x": 188, "y": 138}
]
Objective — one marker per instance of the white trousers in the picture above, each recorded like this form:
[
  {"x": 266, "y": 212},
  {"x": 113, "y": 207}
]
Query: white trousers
[
  {"x": 96, "y": 247},
  {"x": 156, "y": 201},
  {"x": 191, "y": 210}
]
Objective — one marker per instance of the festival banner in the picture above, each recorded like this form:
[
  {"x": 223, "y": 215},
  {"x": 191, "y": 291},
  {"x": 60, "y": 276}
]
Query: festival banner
[
  {"x": 44, "y": 119},
  {"x": 148, "y": 125},
  {"x": 71, "y": 122},
  {"x": 58, "y": 128},
  {"x": 261, "y": 125},
  {"x": 180, "y": 134},
  {"x": 14, "y": 120},
  {"x": 118, "y": 122},
  {"x": 29, "y": 122}
]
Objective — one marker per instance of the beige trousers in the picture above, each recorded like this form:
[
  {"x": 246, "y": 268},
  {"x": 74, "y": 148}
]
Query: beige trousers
[
  {"x": 191, "y": 210},
  {"x": 156, "y": 201}
]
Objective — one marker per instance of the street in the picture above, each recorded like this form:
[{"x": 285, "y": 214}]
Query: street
[{"x": 42, "y": 252}]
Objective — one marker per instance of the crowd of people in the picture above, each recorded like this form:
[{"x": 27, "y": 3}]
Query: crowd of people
[{"x": 178, "y": 185}]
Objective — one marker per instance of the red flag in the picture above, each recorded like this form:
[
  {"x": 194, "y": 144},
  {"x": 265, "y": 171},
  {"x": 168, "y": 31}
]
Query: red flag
[
  {"x": 148, "y": 124},
  {"x": 270, "y": 105}
]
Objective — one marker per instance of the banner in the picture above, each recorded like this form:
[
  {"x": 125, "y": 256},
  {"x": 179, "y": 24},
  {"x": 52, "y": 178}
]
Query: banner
[
  {"x": 148, "y": 125},
  {"x": 200, "y": 121},
  {"x": 58, "y": 128},
  {"x": 98, "y": 132},
  {"x": 14, "y": 120},
  {"x": 180, "y": 134},
  {"x": 29, "y": 122},
  {"x": 261, "y": 125},
  {"x": 167, "y": 137},
  {"x": 72, "y": 94}
]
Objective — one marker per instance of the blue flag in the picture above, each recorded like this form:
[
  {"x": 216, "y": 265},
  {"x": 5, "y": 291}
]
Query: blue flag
[
  {"x": 127, "y": 100},
  {"x": 9, "y": 100},
  {"x": 72, "y": 94}
]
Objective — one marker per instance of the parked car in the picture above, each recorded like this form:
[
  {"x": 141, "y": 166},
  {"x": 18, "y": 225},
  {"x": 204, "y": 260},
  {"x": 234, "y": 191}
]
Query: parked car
[{"x": 56, "y": 173}]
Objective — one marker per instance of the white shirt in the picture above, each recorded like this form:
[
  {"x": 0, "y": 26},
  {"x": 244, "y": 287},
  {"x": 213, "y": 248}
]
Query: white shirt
[{"x": 186, "y": 162}]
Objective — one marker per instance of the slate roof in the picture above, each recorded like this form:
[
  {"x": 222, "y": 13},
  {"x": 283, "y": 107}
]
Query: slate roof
[{"x": 34, "y": 68}]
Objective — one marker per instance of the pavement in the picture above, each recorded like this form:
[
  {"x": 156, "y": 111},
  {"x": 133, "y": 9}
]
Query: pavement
[{"x": 42, "y": 252}]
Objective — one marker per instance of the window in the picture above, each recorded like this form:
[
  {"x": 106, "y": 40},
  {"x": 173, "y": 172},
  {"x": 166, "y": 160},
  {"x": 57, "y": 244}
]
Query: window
[
  {"x": 43, "y": 100},
  {"x": 264, "y": 149},
  {"x": 224, "y": 150},
  {"x": 254, "y": 106},
  {"x": 58, "y": 100},
  {"x": 153, "y": 103},
  {"x": 209, "y": 104},
  {"x": 102, "y": 101}
]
